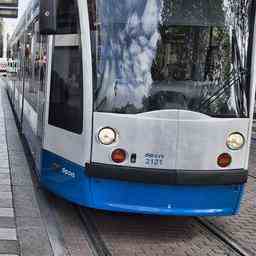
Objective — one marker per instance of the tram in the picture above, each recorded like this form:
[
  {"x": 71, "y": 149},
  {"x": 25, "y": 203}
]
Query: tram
[{"x": 139, "y": 106}]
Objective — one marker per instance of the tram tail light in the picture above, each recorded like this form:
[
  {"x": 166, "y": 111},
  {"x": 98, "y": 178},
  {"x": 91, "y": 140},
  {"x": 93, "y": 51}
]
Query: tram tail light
[
  {"x": 224, "y": 160},
  {"x": 118, "y": 155}
]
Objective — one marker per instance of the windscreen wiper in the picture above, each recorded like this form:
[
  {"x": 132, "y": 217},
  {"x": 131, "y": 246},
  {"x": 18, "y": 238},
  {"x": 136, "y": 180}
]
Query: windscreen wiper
[{"x": 234, "y": 78}]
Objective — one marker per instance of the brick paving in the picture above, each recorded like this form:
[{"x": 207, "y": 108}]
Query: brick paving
[
  {"x": 71, "y": 227},
  {"x": 140, "y": 235},
  {"x": 32, "y": 236},
  {"x": 252, "y": 161},
  {"x": 8, "y": 233}
]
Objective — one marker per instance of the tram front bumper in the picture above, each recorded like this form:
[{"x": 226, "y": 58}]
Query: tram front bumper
[
  {"x": 166, "y": 192},
  {"x": 167, "y": 177}
]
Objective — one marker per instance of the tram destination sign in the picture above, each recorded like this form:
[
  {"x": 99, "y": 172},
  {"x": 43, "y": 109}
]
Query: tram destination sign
[
  {"x": 9, "y": 8},
  {"x": 8, "y": 12},
  {"x": 9, "y": 3}
]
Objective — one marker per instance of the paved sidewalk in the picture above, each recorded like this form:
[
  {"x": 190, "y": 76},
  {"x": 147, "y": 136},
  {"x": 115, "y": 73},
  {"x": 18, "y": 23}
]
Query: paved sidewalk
[
  {"x": 8, "y": 233},
  {"x": 45, "y": 225},
  {"x": 29, "y": 231}
]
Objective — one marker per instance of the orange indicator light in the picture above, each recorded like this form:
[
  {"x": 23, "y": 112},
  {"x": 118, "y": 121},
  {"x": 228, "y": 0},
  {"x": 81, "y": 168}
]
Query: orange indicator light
[
  {"x": 118, "y": 155},
  {"x": 224, "y": 160}
]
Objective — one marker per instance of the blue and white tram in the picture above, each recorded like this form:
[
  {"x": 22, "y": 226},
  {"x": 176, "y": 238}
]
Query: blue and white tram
[{"x": 139, "y": 106}]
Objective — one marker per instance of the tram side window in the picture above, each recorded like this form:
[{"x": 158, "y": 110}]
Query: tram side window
[{"x": 66, "y": 95}]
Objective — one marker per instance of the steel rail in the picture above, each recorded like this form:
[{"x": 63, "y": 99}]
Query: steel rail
[
  {"x": 228, "y": 240},
  {"x": 98, "y": 244}
]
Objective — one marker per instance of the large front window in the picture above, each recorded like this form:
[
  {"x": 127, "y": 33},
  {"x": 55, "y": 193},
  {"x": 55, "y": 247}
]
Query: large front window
[{"x": 171, "y": 54}]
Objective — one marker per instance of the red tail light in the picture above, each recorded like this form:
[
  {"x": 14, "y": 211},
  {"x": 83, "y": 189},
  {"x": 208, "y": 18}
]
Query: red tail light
[
  {"x": 224, "y": 160},
  {"x": 118, "y": 155}
]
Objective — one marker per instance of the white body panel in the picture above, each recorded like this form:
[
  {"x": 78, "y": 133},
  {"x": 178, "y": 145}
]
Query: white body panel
[
  {"x": 87, "y": 80},
  {"x": 201, "y": 141},
  {"x": 187, "y": 140},
  {"x": 59, "y": 141},
  {"x": 71, "y": 146},
  {"x": 140, "y": 135}
]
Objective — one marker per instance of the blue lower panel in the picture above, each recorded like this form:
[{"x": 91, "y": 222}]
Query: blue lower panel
[
  {"x": 72, "y": 183},
  {"x": 68, "y": 181},
  {"x": 166, "y": 200}
]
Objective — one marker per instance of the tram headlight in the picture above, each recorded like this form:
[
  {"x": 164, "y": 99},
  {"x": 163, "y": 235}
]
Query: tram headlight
[
  {"x": 235, "y": 141},
  {"x": 107, "y": 136}
]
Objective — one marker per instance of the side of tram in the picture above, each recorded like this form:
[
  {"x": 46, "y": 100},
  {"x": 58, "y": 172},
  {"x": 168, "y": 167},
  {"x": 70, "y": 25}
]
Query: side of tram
[{"x": 138, "y": 106}]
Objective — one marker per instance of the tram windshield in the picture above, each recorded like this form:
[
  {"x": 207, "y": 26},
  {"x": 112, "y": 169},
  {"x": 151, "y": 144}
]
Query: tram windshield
[{"x": 171, "y": 54}]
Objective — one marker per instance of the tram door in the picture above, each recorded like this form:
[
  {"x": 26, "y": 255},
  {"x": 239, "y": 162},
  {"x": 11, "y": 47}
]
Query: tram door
[
  {"x": 63, "y": 134},
  {"x": 40, "y": 70}
]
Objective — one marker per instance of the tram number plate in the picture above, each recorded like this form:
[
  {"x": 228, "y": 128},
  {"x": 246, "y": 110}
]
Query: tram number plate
[{"x": 154, "y": 159}]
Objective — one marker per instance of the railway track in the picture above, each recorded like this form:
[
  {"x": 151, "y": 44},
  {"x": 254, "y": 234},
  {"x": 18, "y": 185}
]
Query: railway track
[
  {"x": 229, "y": 241},
  {"x": 101, "y": 248},
  {"x": 98, "y": 244}
]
